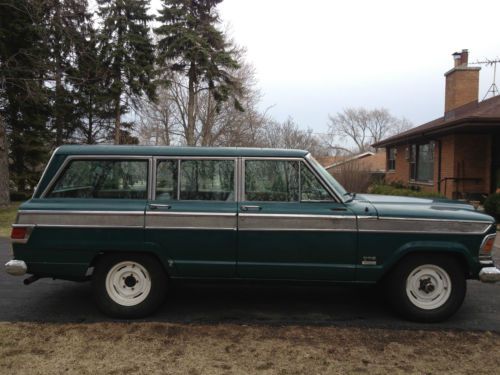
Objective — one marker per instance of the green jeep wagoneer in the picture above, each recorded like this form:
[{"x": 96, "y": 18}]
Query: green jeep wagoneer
[{"x": 130, "y": 218}]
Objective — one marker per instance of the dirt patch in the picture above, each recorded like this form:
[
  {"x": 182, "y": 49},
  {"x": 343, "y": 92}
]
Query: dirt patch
[{"x": 162, "y": 348}]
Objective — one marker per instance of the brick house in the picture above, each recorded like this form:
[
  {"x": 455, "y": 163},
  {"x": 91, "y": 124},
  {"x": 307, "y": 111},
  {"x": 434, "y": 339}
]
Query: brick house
[{"x": 457, "y": 155}]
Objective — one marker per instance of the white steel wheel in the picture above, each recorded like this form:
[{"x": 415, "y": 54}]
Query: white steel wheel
[
  {"x": 428, "y": 287},
  {"x": 128, "y": 283}
]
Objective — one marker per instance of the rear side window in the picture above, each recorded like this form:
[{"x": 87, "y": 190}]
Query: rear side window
[
  {"x": 207, "y": 180},
  {"x": 103, "y": 179},
  {"x": 197, "y": 180}
]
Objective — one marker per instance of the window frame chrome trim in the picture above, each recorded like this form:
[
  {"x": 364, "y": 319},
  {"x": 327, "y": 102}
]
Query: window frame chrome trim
[
  {"x": 307, "y": 158},
  {"x": 98, "y": 157}
]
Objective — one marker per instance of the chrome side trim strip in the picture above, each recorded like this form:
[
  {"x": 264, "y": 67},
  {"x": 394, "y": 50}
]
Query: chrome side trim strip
[
  {"x": 423, "y": 226},
  {"x": 89, "y": 226},
  {"x": 195, "y": 214},
  {"x": 425, "y": 219},
  {"x": 300, "y": 216},
  {"x": 80, "y": 212},
  {"x": 286, "y": 222},
  {"x": 101, "y": 219},
  {"x": 191, "y": 220},
  {"x": 191, "y": 228}
]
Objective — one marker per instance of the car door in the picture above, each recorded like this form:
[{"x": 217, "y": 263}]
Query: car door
[
  {"x": 290, "y": 226},
  {"x": 192, "y": 218}
]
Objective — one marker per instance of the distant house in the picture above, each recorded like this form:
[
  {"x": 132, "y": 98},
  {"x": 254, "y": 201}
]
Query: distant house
[
  {"x": 457, "y": 155},
  {"x": 356, "y": 172},
  {"x": 373, "y": 162}
]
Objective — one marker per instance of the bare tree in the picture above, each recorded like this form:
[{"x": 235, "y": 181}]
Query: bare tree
[
  {"x": 215, "y": 123},
  {"x": 362, "y": 127},
  {"x": 4, "y": 166},
  {"x": 289, "y": 135}
]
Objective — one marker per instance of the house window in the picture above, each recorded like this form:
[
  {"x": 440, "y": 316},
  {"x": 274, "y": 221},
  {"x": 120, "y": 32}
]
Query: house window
[
  {"x": 391, "y": 160},
  {"x": 421, "y": 160}
]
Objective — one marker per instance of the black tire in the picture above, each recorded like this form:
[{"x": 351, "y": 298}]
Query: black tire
[
  {"x": 395, "y": 286},
  {"x": 151, "y": 273}
]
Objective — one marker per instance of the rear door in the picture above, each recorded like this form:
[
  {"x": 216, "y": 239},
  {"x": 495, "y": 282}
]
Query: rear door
[
  {"x": 290, "y": 226},
  {"x": 192, "y": 218}
]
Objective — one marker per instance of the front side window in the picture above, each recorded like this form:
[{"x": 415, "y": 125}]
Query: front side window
[
  {"x": 103, "y": 179},
  {"x": 310, "y": 187},
  {"x": 272, "y": 180},
  {"x": 282, "y": 181}
]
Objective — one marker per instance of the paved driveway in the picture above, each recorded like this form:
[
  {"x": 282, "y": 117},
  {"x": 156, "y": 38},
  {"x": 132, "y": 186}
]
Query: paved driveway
[{"x": 64, "y": 301}]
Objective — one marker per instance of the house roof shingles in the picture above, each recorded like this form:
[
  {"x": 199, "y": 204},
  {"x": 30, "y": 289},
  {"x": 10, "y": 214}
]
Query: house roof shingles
[{"x": 485, "y": 111}]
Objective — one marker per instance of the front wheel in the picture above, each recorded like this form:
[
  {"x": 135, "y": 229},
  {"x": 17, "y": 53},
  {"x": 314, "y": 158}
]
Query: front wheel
[
  {"x": 129, "y": 286},
  {"x": 427, "y": 288}
]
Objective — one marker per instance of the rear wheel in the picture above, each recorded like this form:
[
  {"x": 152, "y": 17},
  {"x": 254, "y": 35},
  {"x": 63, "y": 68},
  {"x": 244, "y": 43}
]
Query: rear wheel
[
  {"x": 427, "y": 288},
  {"x": 129, "y": 286}
]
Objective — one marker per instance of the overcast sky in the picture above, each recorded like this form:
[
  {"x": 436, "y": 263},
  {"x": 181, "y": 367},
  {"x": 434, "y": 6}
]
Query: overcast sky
[{"x": 317, "y": 57}]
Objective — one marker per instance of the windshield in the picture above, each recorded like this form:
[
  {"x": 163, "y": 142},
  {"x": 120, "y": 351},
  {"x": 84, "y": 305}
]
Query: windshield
[{"x": 339, "y": 189}]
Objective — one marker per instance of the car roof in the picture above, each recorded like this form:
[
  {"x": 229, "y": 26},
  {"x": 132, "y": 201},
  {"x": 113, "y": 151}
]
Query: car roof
[{"x": 176, "y": 151}]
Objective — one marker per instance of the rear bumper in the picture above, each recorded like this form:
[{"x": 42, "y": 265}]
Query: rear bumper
[
  {"x": 16, "y": 267},
  {"x": 489, "y": 274}
]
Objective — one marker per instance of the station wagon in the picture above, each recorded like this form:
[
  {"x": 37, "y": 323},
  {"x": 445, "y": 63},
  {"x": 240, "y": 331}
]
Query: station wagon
[{"x": 132, "y": 218}]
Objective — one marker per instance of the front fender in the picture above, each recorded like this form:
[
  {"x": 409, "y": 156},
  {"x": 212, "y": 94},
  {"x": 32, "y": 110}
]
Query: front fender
[
  {"x": 386, "y": 262},
  {"x": 434, "y": 247}
]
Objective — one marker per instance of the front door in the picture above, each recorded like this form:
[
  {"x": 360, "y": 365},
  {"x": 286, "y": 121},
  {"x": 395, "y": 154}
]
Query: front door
[
  {"x": 290, "y": 227},
  {"x": 192, "y": 218}
]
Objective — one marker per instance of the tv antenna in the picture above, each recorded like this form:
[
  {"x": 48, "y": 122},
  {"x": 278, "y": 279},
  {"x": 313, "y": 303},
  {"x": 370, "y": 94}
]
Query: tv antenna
[{"x": 493, "y": 89}]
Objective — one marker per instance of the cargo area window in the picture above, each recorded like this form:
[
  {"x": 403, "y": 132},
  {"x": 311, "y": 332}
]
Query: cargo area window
[{"x": 102, "y": 179}]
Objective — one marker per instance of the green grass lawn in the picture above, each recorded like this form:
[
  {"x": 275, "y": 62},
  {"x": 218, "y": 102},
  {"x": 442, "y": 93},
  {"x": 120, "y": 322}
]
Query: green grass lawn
[{"x": 7, "y": 217}]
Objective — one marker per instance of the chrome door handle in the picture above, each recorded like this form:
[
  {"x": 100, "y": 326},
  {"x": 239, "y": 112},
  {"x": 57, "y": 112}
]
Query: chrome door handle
[
  {"x": 250, "y": 208},
  {"x": 155, "y": 206}
]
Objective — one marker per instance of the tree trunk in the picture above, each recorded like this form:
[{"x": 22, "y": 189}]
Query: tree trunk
[
  {"x": 4, "y": 166},
  {"x": 190, "y": 139},
  {"x": 58, "y": 113},
  {"x": 117, "y": 119}
]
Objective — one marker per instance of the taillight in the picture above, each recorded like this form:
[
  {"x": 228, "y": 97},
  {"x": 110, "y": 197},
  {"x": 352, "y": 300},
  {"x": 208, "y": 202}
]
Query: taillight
[
  {"x": 487, "y": 245},
  {"x": 20, "y": 233}
]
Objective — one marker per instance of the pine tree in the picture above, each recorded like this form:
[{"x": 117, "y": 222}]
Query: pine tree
[
  {"x": 128, "y": 54},
  {"x": 63, "y": 30},
  {"x": 93, "y": 103},
  {"x": 23, "y": 95},
  {"x": 189, "y": 42}
]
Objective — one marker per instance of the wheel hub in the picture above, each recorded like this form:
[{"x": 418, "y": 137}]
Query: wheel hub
[
  {"x": 130, "y": 281},
  {"x": 426, "y": 285}
]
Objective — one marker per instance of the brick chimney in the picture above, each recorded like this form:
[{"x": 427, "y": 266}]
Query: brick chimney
[{"x": 462, "y": 82}]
